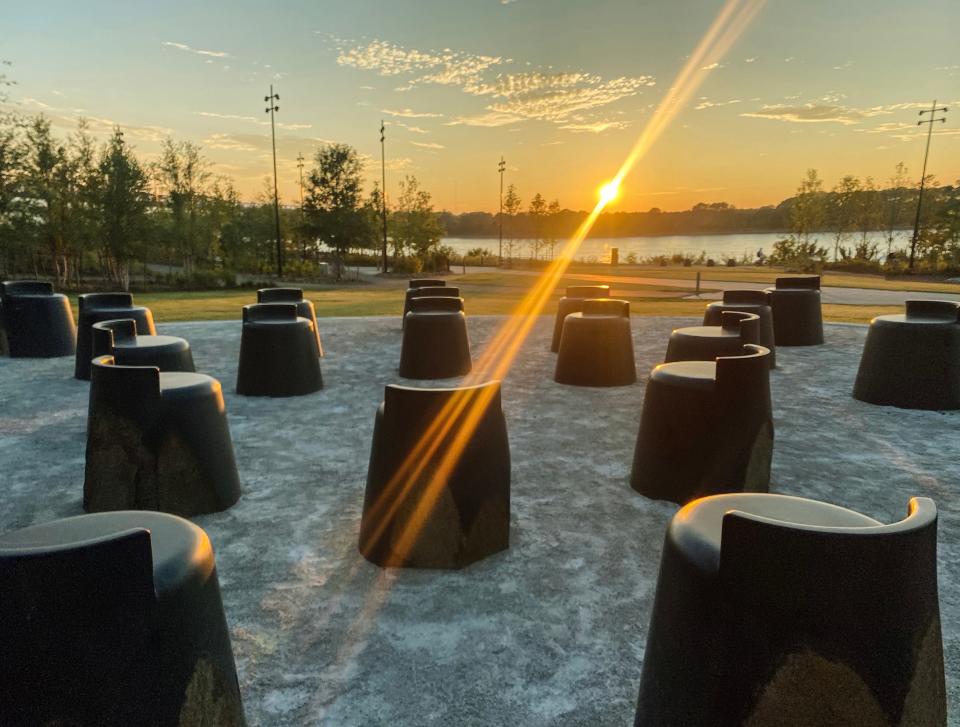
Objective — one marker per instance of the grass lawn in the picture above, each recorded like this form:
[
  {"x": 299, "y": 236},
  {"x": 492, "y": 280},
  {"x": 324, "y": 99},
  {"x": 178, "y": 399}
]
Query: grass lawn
[{"x": 486, "y": 293}]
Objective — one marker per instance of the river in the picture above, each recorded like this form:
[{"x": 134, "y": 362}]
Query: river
[{"x": 717, "y": 247}]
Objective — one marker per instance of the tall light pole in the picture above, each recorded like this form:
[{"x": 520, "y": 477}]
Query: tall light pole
[
  {"x": 923, "y": 175},
  {"x": 383, "y": 189},
  {"x": 303, "y": 247},
  {"x": 271, "y": 109},
  {"x": 500, "y": 168}
]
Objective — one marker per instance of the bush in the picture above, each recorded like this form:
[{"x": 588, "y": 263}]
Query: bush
[{"x": 411, "y": 264}]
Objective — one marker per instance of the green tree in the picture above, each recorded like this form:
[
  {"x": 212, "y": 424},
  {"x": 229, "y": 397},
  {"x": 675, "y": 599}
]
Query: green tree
[
  {"x": 183, "y": 173},
  {"x": 537, "y": 213},
  {"x": 511, "y": 208},
  {"x": 332, "y": 207},
  {"x": 842, "y": 209},
  {"x": 416, "y": 224},
  {"x": 897, "y": 199},
  {"x": 552, "y": 226},
  {"x": 123, "y": 208},
  {"x": 808, "y": 211}
]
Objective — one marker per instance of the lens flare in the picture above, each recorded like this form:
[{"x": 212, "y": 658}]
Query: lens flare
[{"x": 609, "y": 192}]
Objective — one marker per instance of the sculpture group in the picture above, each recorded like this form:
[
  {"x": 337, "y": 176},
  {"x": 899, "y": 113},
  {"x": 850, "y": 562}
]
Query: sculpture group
[{"x": 766, "y": 605}]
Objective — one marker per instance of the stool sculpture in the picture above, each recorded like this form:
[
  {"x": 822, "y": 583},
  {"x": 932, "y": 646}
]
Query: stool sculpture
[
  {"x": 96, "y": 307},
  {"x": 706, "y": 343},
  {"x": 114, "y": 619},
  {"x": 157, "y": 441},
  {"x": 774, "y": 610},
  {"x": 797, "y": 318},
  {"x": 35, "y": 322},
  {"x": 120, "y": 340},
  {"x": 572, "y": 302},
  {"x": 278, "y": 352},
  {"x": 596, "y": 346},
  {"x": 427, "y": 291},
  {"x": 912, "y": 360},
  {"x": 706, "y": 427},
  {"x": 756, "y": 302},
  {"x": 435, "y": 342},
  {"x": 305, "y": 308},
  {"x": 438, "y": 486}
]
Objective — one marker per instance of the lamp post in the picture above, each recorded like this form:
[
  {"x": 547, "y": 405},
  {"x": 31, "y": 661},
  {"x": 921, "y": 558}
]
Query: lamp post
[
  {"x": 383, "y": 189},
  {"x": 923, "y": 175},
  {"x": 271, "y": 109},
  {"x": 500, "y": 168}
]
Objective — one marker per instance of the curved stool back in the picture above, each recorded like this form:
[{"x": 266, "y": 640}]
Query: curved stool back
[
  {"x": 779, "y": 610},
  {"x": 606, "y": 307},
  {"x": 435, "y": 303},
  {"x": 746, "y": 324},
  {"x": 114, "y": 619},
  {"x": 78, "y": 626},
  {"x": 305, "y": 307},
  {"x": 755, "y": 297},
  {"x": 118, "y": 338},
  {"x": 107, "y": 333},
  {"x": 940, "y": 309},
  {"x": 35, "y": 322},
  {"x": 157, "y": 441},
  {"x": 427, "y": 283},
  {"x": 705, "y": 428},
  {"x": 798, "y": 282},
  {"x": 438, "y": 485},
  {"x": 96, "y": 307},
  {"x": 427, "y": 291},
  {"x": 572, "y": 302},
  {"x": 278, "y": 352}
]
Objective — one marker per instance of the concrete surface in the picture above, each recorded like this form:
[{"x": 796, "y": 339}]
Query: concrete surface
[{"x": 550, "y": 632}]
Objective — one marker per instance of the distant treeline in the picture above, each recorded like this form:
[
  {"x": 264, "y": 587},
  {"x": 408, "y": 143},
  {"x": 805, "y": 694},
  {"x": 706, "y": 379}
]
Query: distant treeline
[{"x": 703, "y": 219}]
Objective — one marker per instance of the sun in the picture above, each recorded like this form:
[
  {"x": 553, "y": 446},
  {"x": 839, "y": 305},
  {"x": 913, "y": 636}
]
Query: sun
[{"x": 609, "y": 192}]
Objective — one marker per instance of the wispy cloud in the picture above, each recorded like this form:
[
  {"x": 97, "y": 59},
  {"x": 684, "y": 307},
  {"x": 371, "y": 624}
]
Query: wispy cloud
[
  {"x": 596, "y": 127},
  {"x": 410, "y": 114},
  {"x": 823, "y": 111},
  {"x": 428, "y": 145},
  {"x": 255, "y": 120},
  {"x": 513, "y": 96},
  {"x": 707, "y": 104},
  {"x": 752, "y": 59},
  {"x": 711, "y": 66},
  {"x": 198, "y": 51}
]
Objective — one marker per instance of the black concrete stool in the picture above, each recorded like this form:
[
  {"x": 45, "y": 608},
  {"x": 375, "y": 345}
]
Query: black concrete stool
[
  {"x": 705, "y": 428},
  {"x": 427, "y": 283},
  {"x": 35, "y": 322},
  {"x": 427, "y": 291},
  {"x": 706, "y": 343},
  {"x": 278, "y": 352},
  {"x": 114, "y": 619},
  {"x": 96, "y": 307},
  {"x": 774, "y": 610},
  {"x": 157, "y": 441},
  {"x": 756, "y": 302},
  {"x": 596, "y": 348},
  {"x": 572, "y": 302},
  {"x": 438, "y": 486},
  {"x": 797, "y": 318},
  {"x": 435, "y": 341},
  {"x": 305, "y": 308},
  {"x": 912, "y": 360},
  {"x": 120, "y": 340}
]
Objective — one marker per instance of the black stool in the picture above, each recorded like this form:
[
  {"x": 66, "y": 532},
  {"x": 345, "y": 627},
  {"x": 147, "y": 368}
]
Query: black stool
[
  {"x": 278, "y": 352},
  {"x": 572, "y": 302},
  {"x": 114, "y": 619},
  {"x": 912, "y": 359},
  {"x": 96, "y": 307},
  {"x": 706, "y": 343},
  {"x": 305, "y": 308},
  {"x": 438, "y": 486},
  {"x": 427, "y": 291},
  {"x": 797, "y": 318},
  {"x": 157, "y": 441},
  {"x": 774, "y": 610},
  {"x": 120, "y": 340},
  {"x": 705, "y": 428},
  {"x": 435, "y": 341},
  {"x": 35, "y": 322},
  {"x": 756, "y": 302},
  {"x": 596, "y": 346}
]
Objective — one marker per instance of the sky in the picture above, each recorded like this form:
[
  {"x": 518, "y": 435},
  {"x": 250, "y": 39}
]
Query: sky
[{"x": 561, "y": 89}]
